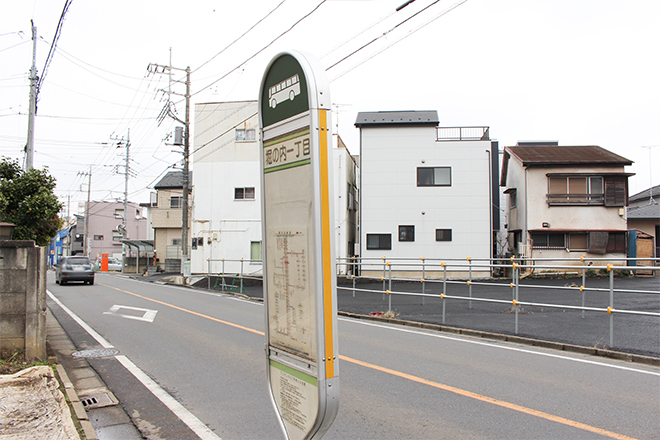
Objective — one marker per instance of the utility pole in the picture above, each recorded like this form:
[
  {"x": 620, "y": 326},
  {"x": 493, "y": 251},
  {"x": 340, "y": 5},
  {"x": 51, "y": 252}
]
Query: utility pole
[
  {"x": 89, "y": 196},
  {"x": 127, "y": 144},
  {"x": 128, "y": 149},
  {"x": 167, "y": 111},
  {"x": 29, "y": 147}
]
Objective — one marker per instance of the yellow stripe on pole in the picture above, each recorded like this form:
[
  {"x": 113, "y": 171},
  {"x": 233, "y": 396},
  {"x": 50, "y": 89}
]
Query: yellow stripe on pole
[{"x": 326, "y": 237}]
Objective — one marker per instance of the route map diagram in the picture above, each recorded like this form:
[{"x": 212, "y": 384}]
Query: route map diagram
[{"x": 288, "y": 293}]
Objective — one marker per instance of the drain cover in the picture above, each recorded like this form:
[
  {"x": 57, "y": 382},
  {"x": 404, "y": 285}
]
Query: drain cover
[
  {"x": 99, "y": 400},
  {"x": 96, "y": 353}
]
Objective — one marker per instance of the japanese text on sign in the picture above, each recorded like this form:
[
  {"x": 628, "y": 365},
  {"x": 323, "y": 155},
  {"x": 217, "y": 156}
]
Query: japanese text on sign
[{"x": 290, "y": 150}]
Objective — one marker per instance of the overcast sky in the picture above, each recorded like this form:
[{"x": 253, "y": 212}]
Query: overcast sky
[{"x": 577, "y": 72}]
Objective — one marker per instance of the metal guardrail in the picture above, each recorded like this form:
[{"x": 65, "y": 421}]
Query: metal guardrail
[
  {"x": 462, "y": 134},
  {"x": 516, "y": 265},
  {"x": 226, "y": 286},
  {"x": 233, "y": 281}
]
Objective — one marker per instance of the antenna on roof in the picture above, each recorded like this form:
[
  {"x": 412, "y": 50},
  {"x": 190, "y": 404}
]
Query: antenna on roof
[{"x": 650, "y": 147}]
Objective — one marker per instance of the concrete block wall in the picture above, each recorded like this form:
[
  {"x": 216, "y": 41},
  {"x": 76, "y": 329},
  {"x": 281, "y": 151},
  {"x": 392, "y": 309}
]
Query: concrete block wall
[{"x": 22, "y": 299}]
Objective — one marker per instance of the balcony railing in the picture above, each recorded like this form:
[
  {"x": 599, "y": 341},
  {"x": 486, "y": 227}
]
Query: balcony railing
[
  {"x": 462, "y": 134},
  {"x": 576, "y": 199}
]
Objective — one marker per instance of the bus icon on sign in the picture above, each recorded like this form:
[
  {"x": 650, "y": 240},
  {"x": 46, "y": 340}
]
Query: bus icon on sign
[{"x": 287, "y": 89}]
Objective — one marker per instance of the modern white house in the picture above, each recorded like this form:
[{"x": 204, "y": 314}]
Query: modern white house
[
  {"x": 226, "y": 226},
  {"x": 226, "y": 213},
  {"x": 565, "y": 201},
  {"x": 426, "y": 192}
]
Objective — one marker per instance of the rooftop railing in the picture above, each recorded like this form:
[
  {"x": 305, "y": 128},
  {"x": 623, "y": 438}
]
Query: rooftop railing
[{"x": 462, "y": 134}]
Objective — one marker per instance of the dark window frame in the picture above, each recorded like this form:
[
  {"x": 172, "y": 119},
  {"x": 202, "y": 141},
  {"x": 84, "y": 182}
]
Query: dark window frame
[
  {"x": 406, "y": 232},
  {"x": 443, "y": 235},
  {"x": 245, "y": 193},
  {"x": 384, "y": 242},
  {"x": 426, "y": 179},
  {"x": 176, "y": 202}
]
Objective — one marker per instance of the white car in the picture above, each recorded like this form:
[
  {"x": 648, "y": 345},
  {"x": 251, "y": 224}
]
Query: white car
[{"x": 114, "y": 264}]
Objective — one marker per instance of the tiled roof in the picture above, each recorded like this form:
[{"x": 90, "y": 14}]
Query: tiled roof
[
  {"x": 547, "y": 155},
  {"x": 173, "y": 179},
  {"x": 644, "y": 212},
  {"x": 646, "y": 194},
  {"x": 393, "y": 118}
]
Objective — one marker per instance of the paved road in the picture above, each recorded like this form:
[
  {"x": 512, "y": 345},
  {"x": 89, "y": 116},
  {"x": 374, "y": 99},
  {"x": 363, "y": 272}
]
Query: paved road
[
  {"x": 632, "y": 333},
  {"x": 206, "y": 351}
]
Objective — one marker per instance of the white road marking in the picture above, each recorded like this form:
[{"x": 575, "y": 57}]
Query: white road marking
[
  {"x": 148, "y": 314},
  {"x": 500, "y": 346},
  {"x": 199, "y": 428},
  {"x": 196, "y": 425},
  {"x": 100, "y": 339}
]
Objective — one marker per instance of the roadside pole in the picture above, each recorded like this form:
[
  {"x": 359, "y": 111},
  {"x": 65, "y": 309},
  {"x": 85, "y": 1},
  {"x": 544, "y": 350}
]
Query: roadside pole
[{"x": 298, "y": 252}]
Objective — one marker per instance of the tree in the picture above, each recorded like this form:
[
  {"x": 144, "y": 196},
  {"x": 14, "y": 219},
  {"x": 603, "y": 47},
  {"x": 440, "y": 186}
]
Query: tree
[{"x": 27, "y": 200}]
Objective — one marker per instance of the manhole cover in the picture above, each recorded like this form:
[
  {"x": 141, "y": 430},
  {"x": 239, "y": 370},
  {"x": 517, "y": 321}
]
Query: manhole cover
[
  {"x": 99, "y": 400},
  {"x": 96, "y": 353}
]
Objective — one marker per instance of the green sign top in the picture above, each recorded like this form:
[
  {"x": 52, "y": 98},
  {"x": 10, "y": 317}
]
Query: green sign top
[{"x": 284, "y": 91}]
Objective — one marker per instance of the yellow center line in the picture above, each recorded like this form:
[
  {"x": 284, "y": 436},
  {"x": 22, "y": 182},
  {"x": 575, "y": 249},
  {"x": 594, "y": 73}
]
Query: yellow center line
[
  {"x": 486, "y": 399},
  {"x": 201, "y": 315},
  {"x": 460, "y": 392}
]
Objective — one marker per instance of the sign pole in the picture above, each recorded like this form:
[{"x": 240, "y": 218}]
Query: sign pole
[{"x": 298, "y": 252}]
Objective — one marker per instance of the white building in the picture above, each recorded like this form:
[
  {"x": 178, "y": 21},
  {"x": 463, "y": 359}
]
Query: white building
[
  {"x": 425, "y": 191},
  {"x": 226, "y": 191},
  {"x": 346, "y": 171},
  {"x": 226, "y": 201}
]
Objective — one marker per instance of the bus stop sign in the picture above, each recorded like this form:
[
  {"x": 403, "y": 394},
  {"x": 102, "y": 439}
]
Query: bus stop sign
[{"x": 298, "y": 255}]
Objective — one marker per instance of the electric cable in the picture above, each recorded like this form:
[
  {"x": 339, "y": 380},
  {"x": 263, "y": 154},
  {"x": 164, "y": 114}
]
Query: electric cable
[
  {"x": 262, "y": 49},
  {"x": 443, "y": 13},
  {"x": 237, "y": 39},
  {"x": 53, "y": 46}
]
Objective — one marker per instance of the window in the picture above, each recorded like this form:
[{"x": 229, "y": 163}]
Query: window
[
  {"x": 443, "y": 235},
  {"x": 200, "y": 241},
  {"x": 243, "y": 193},
  {"x": 379, "y": 241},
  {"x": 117, "y": 236},
  {"x": 194, "y": 243},
  {"x": 616, "y": 242},
  {"x": 176, "y": 202},
  {"x": 406, "y": 233},
  {"x": 513, "y": 199},
  {"x": 575, "y": 190},
  {"x": 176, "y": 242},
  {"x": 548, "y": 240},
  {"x": 615, "y": 191},
  {"x": 255, "y": 250},
  {"x": 98, "y": 237},
  {"x": 438, "y": 176},
  {"x": 578, "y": 242},
  {"x": 245, "y": 135}
]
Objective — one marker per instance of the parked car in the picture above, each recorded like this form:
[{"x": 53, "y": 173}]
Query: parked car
[
  {"x": 76, "y": 268},
  {"x": 114, "y": 264}
]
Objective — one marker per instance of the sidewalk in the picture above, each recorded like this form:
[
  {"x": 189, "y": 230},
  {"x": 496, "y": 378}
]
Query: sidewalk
[{"x": 98, "y": 411}]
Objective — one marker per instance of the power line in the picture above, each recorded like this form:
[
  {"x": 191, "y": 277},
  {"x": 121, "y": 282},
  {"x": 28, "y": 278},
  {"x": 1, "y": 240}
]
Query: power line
[
  {"x": 384, "y": 34},
  {"x": 443, "y": 13},
  {"x": 53, "y": 46},
  {"x": 262, "y": 49},
  {"x": 236, "y": 40}
]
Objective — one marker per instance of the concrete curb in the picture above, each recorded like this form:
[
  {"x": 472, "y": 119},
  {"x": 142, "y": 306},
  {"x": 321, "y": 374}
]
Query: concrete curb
[
  {"x": 78, "y": 408},
  {"x": 108, "y": 421}
]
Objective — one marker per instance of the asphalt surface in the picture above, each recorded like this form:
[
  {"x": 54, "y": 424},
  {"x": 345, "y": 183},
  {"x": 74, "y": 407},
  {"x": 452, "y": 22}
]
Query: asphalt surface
[
  {"x": 633, "y": 334},
  {"x": 552, "y": 321}
]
